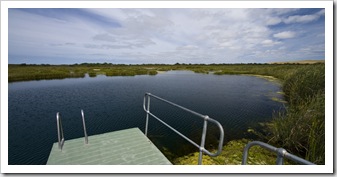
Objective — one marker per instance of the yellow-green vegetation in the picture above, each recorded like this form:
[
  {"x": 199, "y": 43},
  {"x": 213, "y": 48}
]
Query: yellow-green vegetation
[
  {"x": 278, "y": 100},
  {"x": 232, "y": 155},
  {"x": 269, "y": 78}
]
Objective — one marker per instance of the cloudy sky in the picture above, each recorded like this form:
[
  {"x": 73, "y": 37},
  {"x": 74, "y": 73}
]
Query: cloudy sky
[{"x": 136, "y": 36}]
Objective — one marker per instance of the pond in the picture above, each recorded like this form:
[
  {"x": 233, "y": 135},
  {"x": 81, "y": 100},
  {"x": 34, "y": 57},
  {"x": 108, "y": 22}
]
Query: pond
[{"x": 114, "y": 103}]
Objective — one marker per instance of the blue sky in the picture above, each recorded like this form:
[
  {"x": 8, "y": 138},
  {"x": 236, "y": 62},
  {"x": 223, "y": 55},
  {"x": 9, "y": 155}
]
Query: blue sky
[{"x": 136, "y": 36}]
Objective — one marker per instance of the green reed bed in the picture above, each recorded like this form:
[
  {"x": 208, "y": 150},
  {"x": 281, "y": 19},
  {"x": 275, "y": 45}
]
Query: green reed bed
[
  {"x": 38, "y": 72},
  {"x": 302, "y": 128}
]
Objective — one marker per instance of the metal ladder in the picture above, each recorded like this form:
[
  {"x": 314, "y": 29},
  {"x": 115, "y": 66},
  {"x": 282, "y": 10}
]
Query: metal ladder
[{"x": 60, "y": 135}]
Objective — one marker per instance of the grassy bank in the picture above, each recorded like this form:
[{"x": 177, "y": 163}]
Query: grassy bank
[{"x": 300, "y": 130}]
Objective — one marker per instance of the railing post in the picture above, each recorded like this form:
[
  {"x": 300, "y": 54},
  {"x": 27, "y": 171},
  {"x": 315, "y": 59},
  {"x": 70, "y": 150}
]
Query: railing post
[
  {"x": 280, "y": 155},
  {"x": 147, "y": 113},
  {"x": 203, "y": 139},
  {"x": 58, "y": 129},
  {"x": 84, "y": 128},
  {"x": 60, "y": 135},
  {"x": 245, "y": 155}
]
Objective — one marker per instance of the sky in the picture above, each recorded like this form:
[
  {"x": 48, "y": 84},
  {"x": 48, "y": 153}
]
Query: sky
[{"x": 164, "y": 35}]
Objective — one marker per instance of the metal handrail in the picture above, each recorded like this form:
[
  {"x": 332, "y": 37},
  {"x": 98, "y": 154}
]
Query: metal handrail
[
  {"x": 84, "y": 128},
  {"x": 204, "y": 131},
  {"x": 60, "y": 135},
  {"x": 281, "y": 153}
]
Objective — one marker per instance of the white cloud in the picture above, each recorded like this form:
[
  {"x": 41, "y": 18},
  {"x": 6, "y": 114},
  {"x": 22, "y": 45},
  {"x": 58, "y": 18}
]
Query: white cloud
[
  {"x": 188, "y": 47},
  {"x": 160, "y": 35},
  {"x": 269, "y": 42},
  {"x": 273, "y": 21},
  {"x": 285, "y": 35},
  {"x": 321, "y": 12},
  {"x": 281, "y": 11},
  {"x": 301, "y": 18},
  {"x": 304, "y": 18}
]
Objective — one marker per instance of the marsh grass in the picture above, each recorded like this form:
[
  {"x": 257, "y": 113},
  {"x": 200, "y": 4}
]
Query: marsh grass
[
  {"x": 301, "y": 131},
  {"x": 302, "y": 128},
  {"x": 44, "y": 72},
  {"x": 38, "y": 72}
]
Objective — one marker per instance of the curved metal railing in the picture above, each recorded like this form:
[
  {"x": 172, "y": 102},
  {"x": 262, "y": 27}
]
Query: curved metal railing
[
  {"x": 281, "y": 153},
  {"x": 206, "y": 119}
]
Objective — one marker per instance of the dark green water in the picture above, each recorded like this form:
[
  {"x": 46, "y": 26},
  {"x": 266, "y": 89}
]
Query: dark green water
[{"x": 115, "y": 103}]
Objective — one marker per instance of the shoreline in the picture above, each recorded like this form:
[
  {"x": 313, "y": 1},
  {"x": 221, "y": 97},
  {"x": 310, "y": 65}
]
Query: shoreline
[{"x": 48, "y": 72}]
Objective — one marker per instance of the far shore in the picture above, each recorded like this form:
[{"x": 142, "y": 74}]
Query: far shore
[{"x": 27, "y": 72}]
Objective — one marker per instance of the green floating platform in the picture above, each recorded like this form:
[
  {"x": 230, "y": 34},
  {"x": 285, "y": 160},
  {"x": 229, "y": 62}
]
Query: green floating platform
[{"x": 124, "y": 147}]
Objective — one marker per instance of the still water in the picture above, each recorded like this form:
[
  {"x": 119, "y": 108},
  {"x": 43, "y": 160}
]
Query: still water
[{"x": 115, "y": 103}]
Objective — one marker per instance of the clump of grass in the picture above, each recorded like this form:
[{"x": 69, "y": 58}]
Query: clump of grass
[
  {"x": 153, "y": 72},
  {"x": 201, "y": 71},
  {"x": 92, "y": 74}
]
